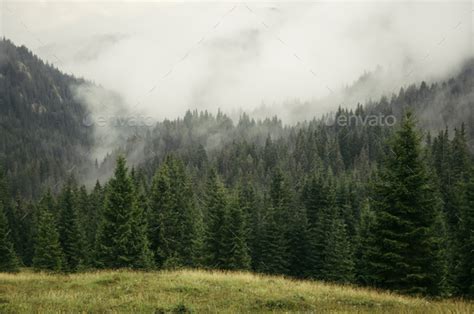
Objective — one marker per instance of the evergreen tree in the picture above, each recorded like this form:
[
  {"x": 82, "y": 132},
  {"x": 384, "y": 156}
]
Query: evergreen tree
[
  {"x": 24, "y": 226},
  {"x": 70, "y": 233},
  {"x": 273, "y": 255},
  {"x": 405, "y": 206},
  {"x": 365, "y": 246},
  {"x": 298, "y": 244},
  {"x": 316, "y": 198},
  {"x": 8, "y": 259},
  {"x": 47, "y": 252},
  {"x": 338, "y": 262},
  {"x": 122, "y": 240},
  {"x": 174, "y": 218},
  {"x": 441, "y": 251},
  {"x": 281, "y": 212},
  {"x": 236, "y": 252},
  {"x": 216, "y": 211},
  {"x": 253, "y": 215},
  {"x": 464, "y": 269},
  {"x": 162, "y": 221}
]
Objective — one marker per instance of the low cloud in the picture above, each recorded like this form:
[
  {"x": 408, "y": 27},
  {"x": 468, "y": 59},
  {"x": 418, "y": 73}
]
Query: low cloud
[{"x": 296, "y": 60}]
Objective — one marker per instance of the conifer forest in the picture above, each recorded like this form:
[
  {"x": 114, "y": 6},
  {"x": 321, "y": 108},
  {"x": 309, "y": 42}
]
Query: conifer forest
[{"x": 376, "y": 194}]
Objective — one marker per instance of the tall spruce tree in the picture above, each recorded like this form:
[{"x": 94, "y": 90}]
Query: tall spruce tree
[
  {"x": 173, "y": 216},
  {"x": 364, "y": 246},
  {"x": 253, "y": 214},
  {"x": 236, "y": 251},
  {"x": 464, "y": 269},
  {"x": 47, "y": 248},
  {"x": 216, "y": 212},
  {"x": 161, "y": 218},
  {"x": 405, "y": 253},
  {"x": 298, "y": 243},
  {"x": 8, "y": 259},
  {"x": 70, "y": 233},
  {"x": 282, "y": 209},
  {"x": 316, "y": 198},
  {"x": 338, "y": 260},
  {"x": 122, "y": 238},
  {"x": 274, "y": 246}
]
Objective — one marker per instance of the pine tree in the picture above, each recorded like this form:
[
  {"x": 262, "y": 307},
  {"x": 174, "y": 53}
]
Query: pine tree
[
  {"x": 298, "y": 244},
  {"x": 236, "y": 252},
  {"x": 8, "y": 259},
  {"x": 281, "y": 203},
  {"x": 174, "y": 218},
  {"x": 122, "y": 239},
  {"x": 405, "y": 207},
  {"x": 365, "y": 246},
  {"x": 161, "y": 218},
  {"x": 92, "y": 219},
  {"x": 441, "y": 251},
  {"x": 24, "y": 226},
  {"x": 216, "y": 207},
  {"x": 274, "y": 252},
  {"x": 70, "y": 233},
  {"x": 338, "y": 263},
  {"x": 47, "y": 251},
  {"x": 464, "y": 269},
  {"x": 316, "y": 198},
  {"x": 253, "y": 214}
]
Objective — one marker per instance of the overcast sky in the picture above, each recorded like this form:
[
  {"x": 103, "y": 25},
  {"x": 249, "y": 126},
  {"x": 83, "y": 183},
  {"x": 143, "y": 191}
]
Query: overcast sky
[{"x": 165, "y": 58}]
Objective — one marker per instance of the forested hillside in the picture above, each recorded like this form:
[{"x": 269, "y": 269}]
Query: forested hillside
[
  {"x": 40, "y": 122},
  {"x": 367, "y": 201},
  {"x": 403, "y": 224}
]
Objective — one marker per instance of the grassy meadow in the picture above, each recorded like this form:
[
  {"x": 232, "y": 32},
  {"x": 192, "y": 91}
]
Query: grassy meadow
[{"x": 185, "y": 291}]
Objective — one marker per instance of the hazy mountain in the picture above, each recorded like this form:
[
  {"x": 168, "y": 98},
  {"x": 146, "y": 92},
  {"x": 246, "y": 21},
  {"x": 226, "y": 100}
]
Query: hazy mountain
[
  {"x": 42, "y": 135},
  {"x": 55, "y": 125}
]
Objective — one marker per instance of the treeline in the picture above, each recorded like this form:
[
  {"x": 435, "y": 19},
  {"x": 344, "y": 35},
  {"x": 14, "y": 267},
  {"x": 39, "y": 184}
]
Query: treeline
[
  {"x": 405, "y": 223},
  {"x": 45, "y": 133}
]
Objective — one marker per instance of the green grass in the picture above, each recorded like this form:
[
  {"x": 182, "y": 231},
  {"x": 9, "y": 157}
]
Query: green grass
[{"x": 198, "y": 291}]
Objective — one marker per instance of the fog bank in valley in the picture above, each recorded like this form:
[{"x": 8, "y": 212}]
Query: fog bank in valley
[{"x": 290, "y": 59}]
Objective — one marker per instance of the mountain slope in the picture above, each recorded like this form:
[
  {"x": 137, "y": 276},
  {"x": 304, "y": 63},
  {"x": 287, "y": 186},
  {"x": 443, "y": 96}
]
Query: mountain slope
[
  {"x": 43, "y": 137},
  {"x": 40, "y": 121},
  {"x": 199, "y": 291}
]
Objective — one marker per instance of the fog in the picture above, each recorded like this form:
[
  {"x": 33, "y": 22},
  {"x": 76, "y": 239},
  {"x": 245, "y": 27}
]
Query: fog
[{"x": 290, "y": 59}]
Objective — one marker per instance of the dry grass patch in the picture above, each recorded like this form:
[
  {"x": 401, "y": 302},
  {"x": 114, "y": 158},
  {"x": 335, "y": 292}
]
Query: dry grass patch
[{"x": 198, "y": 291}]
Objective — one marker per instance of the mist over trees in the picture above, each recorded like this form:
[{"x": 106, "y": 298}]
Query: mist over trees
[
  {"x": 388, "y": 206},
  {"x": 389, "y": 227}
]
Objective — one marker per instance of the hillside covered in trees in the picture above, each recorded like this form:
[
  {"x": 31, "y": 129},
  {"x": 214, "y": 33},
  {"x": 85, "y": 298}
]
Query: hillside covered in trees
[
  {"x": 389, "y": 206},
  {"x": 41, "y": 131}
]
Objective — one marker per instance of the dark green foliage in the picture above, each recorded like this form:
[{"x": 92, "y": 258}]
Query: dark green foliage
[
  {"x": 174, "y": 219},
  {"x": 8, "y": 259},
  {"x": 316, "y": 197},
  {"x": 365, "y": 246},
  {"x": 405, "y": 252},
  {"x": 298, "y": 244},
  {"x": 304, "y": 204},
  {"x": 70, "y": 232},
  {"x": 40, "y": 122},
  {"x": 93, "y": 206},
  {"x": 465, "y": 266},
  {"x": 274, "y": 246},
  {"x": 338, "y": 259},
  {"x": 47, "y": 253},
  {"x": 281, "y": 211},
  {"x": 236, "y": 251},
  {"x": 253, "y": 215},
  {"x": 215, "y": 220},
  {"x": 122, "y": 237}
]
